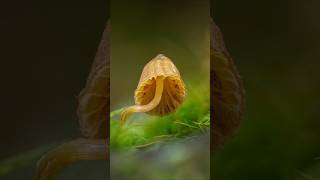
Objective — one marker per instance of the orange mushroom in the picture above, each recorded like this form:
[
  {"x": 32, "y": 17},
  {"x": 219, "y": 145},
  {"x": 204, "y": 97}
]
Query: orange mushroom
[{"x": 160, "y": 90}]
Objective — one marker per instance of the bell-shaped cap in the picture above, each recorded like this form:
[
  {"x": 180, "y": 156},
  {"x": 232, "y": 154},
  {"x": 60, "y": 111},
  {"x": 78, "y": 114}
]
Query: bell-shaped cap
[{"x": 173, "y": 91}]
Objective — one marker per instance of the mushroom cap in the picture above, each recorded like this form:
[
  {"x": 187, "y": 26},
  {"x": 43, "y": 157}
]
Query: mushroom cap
[
  {"x": 94, "y": 98},
  {"x": 227, "y": 90},
  {"x": 173, "y": 90}
]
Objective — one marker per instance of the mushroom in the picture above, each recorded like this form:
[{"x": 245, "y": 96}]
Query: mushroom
[
  {"x": 160, "y": 90},
  {"x": 93, "y": 120},
  {"x": 227, "y": 90}
]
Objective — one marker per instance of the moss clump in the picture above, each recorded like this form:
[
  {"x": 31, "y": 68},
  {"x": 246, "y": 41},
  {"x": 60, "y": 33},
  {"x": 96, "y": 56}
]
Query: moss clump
[{"x": 191, "y": 117}]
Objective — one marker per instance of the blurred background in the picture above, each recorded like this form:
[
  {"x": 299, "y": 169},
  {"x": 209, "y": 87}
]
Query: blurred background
[
  {"x": 47, "y": 48},
  {"x": 143, "y": 29},
  {"x": 276, "y": 46}
]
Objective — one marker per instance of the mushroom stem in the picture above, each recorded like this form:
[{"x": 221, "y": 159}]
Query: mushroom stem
[
  {"x": 148, "y": 107},
  {"x": 79, "y": 149}
]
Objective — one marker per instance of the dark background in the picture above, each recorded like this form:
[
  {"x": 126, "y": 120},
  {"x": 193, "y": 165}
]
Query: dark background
[
  {"x": 276, "y": 46},
  {"x": 47, "y": 49}
]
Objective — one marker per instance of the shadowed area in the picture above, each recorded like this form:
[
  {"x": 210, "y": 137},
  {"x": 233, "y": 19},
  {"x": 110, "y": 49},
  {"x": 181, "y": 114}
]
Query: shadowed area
[{"x": 276, "y": 46}]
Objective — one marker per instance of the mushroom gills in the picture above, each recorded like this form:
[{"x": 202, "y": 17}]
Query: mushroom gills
[
  {"x": 147, "y": 107},
  {"x": 160, "y": 89},
  {"x": 171, "y": 98}
]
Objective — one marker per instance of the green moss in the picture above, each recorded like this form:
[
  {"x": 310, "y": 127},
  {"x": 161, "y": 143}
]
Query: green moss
[{"x": 141, "y": 130}]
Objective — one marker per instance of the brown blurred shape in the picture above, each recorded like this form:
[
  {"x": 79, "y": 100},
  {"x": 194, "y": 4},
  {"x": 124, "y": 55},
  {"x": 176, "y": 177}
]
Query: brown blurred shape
[{"x": 227, "y": 91}]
